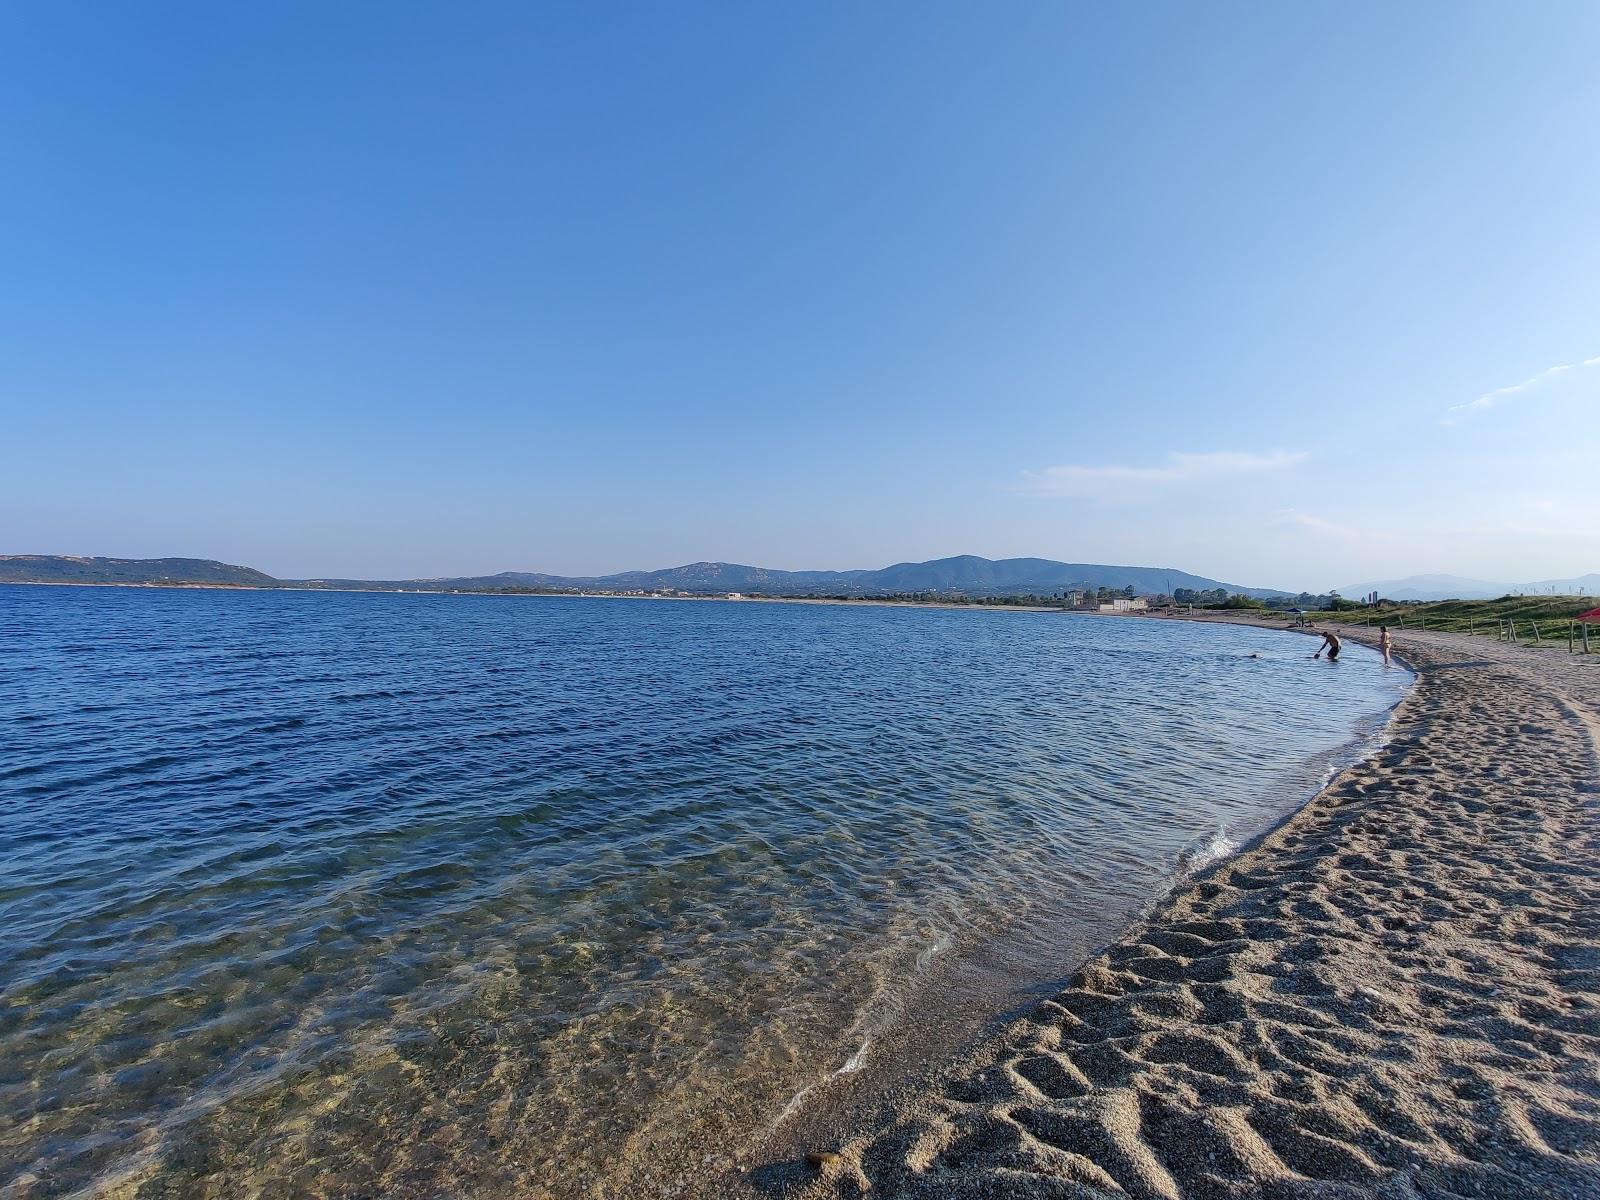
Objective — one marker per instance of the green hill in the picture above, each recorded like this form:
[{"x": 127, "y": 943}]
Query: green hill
[{"x": 69, "y": 568}]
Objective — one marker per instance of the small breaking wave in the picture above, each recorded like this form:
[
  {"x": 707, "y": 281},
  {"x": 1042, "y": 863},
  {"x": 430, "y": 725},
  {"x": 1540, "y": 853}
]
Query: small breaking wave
[
  {"x": 856, "y": 1061},
  {"x": 1200, "y": 855}
]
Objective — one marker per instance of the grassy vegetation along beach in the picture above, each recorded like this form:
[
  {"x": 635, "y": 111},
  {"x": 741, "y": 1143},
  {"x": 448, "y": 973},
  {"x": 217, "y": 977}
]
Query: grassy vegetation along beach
[{"x": 1535, "y": 618}]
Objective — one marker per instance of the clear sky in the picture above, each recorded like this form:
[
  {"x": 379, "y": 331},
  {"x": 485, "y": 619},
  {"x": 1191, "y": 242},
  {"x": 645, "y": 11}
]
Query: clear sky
[{"x": 1267, "y": 292}]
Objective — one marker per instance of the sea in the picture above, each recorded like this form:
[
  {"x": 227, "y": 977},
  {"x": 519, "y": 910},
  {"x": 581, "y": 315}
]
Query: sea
[{"x": 393, "y": 894}]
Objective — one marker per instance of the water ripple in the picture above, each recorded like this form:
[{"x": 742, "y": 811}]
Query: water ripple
[{"x": 345, "y": 893}]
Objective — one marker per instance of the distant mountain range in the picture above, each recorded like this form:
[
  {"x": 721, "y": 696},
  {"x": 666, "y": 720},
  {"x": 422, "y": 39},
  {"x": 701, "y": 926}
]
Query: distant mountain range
[
  {"x": 964, "y": 575},
  {"x": 1454, "y": 587}
]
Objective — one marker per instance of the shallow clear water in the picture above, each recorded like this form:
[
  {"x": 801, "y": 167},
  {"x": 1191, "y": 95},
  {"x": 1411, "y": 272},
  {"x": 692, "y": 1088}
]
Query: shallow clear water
[{"x": 343, "y": 894}]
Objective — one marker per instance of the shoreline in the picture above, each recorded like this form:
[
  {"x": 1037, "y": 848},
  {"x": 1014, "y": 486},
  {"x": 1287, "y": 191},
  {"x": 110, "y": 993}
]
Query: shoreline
[
  {"x": 1320, "y": 973},
  {"x": 901, "y": 1061},
  {"x": 1310, "y": 1010}
]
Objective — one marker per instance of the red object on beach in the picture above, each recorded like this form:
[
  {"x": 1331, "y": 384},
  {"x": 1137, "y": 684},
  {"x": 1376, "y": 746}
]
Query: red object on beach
[{"x": 1592, "y": 615}]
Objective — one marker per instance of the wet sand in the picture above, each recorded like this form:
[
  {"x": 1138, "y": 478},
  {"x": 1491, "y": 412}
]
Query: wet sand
[{"x": 1394, "y": 994}]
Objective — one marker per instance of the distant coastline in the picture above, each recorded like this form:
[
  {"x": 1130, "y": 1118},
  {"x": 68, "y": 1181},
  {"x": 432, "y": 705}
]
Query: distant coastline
[
  {"x": 962, "y": 576},
  {"x": 961, "y": 582},
  {"x": 508, "y": 593}
]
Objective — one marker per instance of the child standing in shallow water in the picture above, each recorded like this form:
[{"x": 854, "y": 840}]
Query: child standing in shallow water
[{"x": 1386, "y": 644}]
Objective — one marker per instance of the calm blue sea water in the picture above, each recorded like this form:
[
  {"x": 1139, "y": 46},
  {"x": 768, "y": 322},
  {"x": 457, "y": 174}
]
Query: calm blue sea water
[{"x": 362, "y": 894}]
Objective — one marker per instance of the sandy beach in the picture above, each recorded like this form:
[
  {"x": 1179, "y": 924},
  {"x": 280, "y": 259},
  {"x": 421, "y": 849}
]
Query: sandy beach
[{"x": 1395, "y": 993}]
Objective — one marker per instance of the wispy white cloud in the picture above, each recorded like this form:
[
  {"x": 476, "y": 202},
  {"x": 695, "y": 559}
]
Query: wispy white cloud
[
  {"x": 1500, "y": 395},
  {"x": 1113, "y": 482},
  {"x": 1321, "y": 525}
]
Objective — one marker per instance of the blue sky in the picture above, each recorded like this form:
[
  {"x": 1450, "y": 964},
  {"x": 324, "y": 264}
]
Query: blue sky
[{"x": 415, "y": 289}]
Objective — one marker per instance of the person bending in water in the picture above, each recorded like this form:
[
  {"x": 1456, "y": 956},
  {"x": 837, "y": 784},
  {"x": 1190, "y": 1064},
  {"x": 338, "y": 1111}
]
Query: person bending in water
[
  {"x": 1386, "y": 644},
  {"x": 1330, "y": 643}
]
